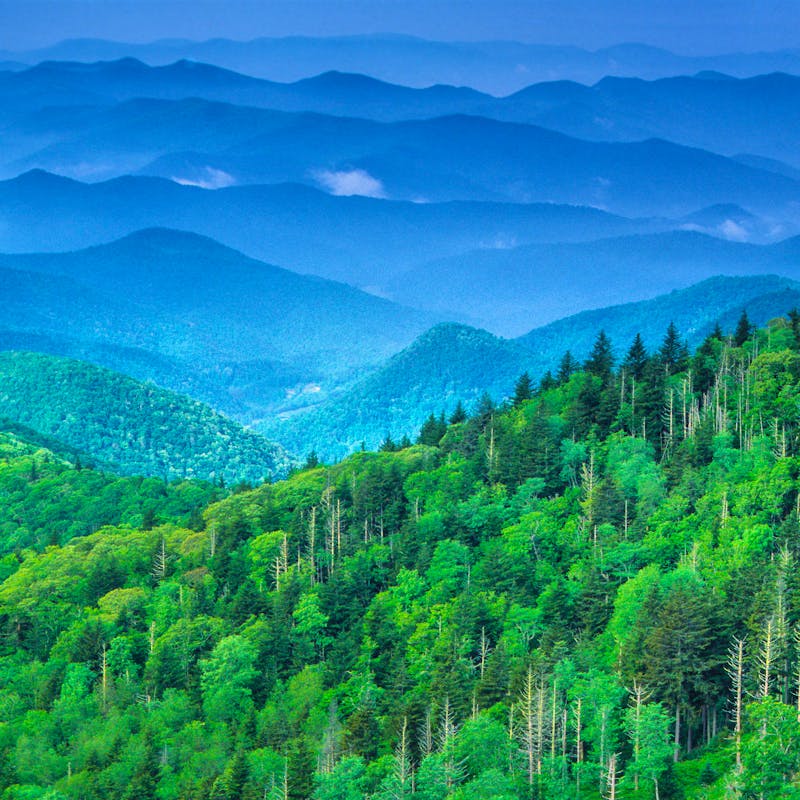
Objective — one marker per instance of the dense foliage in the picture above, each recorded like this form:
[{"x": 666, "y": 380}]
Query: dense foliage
[
  {"x": 139, "y": 428},
  {"x": 48, "y": 500},
  {"x": 589, "y": 592}
]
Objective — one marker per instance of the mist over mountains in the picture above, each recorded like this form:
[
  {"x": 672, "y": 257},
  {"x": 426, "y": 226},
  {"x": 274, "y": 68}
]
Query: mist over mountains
[
  {"x": 494, "y": 67},
  {"x": 600, "y": 147},
  {"x": 284, "y": 240},
  {"x": 356, "y": 239},
  {"x": 707, "y": 109}
]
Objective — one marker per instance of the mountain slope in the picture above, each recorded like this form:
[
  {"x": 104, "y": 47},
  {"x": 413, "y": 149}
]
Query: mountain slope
[
  {"x": 454, "y": 362},
  {"x": 191, "y": 314},
  {"x": 446, "y": 364},
  {"x": 50, "y": 497},
  {"x": 135, "y": 427},
  {"x": 527, "y": 565},
  {"x": 231, "y": 306}
]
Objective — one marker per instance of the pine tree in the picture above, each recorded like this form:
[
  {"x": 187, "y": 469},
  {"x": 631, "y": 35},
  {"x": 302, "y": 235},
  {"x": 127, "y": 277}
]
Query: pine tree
[
  {"x": 674, "y": 353},
  {"x": 485, "y": 410},
  {"x": 523, "y": 389},
  {"x": 388, "y": 445},
  {"x": 794, "y": 321},
  {"x": 601, "y": 358},
  {"x": 744, "y": 330},
  {"x": 636, "y": 359},
  {"x": 144, "y": 782},
  {"x": 432, "y": 431},
  {"x": 547, "y": 382},
  {"x": 459, "y": 414},
  {"x": 567, "y": 366}
]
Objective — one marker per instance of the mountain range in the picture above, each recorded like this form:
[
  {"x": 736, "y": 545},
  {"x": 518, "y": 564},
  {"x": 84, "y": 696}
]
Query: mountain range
[
  {"x": 358, "y": 240},
  {"x": 708, "y": 110},
  {"x": 455, "y": 157},
  {"x": 497, "y": 67},
  {"x": 296, "y": 354}
]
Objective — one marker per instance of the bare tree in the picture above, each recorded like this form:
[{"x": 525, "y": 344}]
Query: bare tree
[{"x": 735, "y": 670}]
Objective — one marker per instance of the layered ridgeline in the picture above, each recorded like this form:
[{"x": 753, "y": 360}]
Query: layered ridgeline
[
  {"x": 452, "y": 364},
  {"x": 710, "y": 110},
  {"x": 587, "y": 593},
  {"x": 498, "y": 67},
  {"x": 457, "y": 157},
  {"x": 259, "y": 342},
  {"x": 197, "y": 317},
  {"x": 131, "y": 427},
  {"x": 358, "y": 240}
]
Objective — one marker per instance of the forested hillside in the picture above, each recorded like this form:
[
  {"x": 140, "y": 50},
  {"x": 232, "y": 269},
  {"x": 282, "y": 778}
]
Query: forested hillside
[
  {"x": 589, "y": 592},
  {"x": 137, "y": 428},
  {"x": 50, "y": 498}
]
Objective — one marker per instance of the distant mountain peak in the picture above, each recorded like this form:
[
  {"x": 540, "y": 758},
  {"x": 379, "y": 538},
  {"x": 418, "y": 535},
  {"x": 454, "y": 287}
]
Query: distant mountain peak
[
  {"x": 337, "y": 79},
  {"x": 161, "y": 242},
  {"x": 42, "y": 178},
  {"x": 125, "y": 64},
  {"x": 169, "y": 236}
]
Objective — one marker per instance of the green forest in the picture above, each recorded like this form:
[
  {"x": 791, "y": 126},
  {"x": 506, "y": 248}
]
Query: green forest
[
  {"x": 589, "y": 591},
  {"x": 135, "y": 428}
]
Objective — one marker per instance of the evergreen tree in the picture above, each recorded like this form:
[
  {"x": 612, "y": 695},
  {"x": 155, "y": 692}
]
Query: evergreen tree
[
  {"x": 636, "y": 359},
  {"x": 744, "y": 330},
  {"x": 601, "y": 358},
  {"x": 674, "y": 353},
  {"x": 523, "y": 389},
  {"x": 704, "y": 361},
  {"x": 547, "y": 382},
  {"x": 794, "y": 321},
  {"x": 566, "y": 367},
  {"x": 459, "y": 414},
  {"x": 485, "y": 410},
  {"x": 144, "y": 783},
  {"x": 388, "y": 445},
  {"x": 432, "y": 430}
]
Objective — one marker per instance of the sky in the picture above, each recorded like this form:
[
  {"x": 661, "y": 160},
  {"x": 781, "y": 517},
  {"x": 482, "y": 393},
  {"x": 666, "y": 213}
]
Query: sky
[{"x": 684, "y": 26}]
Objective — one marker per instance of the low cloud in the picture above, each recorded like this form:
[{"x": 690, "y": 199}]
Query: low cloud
[
  {"x": 729, "y": 229},
  {"x": 503, "y": 243},
  {"x": 207, "y": 178},
  {"x": 344, "y": 183},
  {"x": 732, "y": 230}
]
